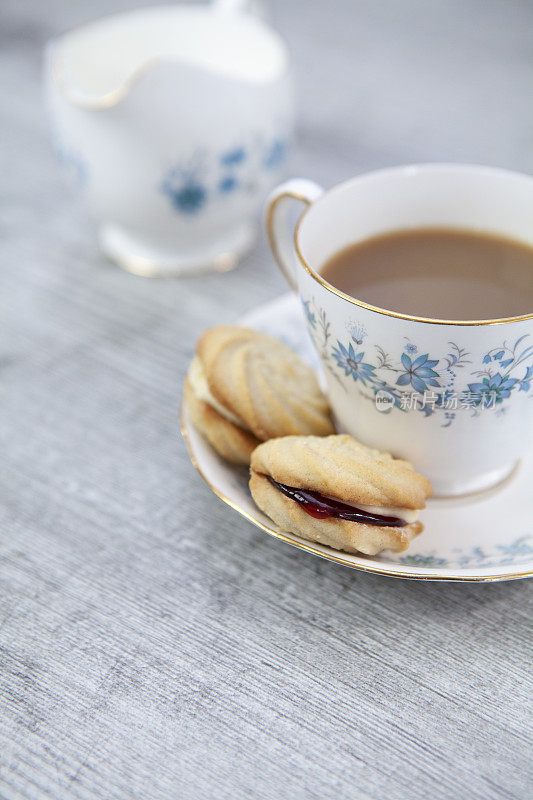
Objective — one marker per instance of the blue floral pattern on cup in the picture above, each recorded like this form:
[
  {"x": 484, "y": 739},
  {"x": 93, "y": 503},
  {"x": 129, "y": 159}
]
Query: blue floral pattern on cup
[
  {"x": 352, "y": 363},
  {"x": 504, "y": 370},
  {"x": 419, "y": 373}
]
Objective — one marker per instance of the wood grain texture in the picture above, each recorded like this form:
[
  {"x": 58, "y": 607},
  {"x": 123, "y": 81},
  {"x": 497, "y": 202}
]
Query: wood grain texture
[{"x": 154, "y": 645}]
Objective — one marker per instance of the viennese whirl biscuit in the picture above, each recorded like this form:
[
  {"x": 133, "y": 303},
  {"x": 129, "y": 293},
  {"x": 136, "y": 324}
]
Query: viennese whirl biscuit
[
  {"x": 244, "y": 387},
  {"x": 336, "y": 491}
]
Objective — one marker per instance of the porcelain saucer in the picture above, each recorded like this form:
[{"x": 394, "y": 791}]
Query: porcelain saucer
[{"x": 483, "y": 537}]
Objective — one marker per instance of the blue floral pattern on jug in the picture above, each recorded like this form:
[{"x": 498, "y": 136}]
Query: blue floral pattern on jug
[
  {"x": 275, "y": 154},
  {"x": 189, "y": 198},
  {"x": 193, "y": 183},
  {"x": 227, "y": 184},
  {"x": 501, "y": 555},
  {"x": 72, "y": 161},
  {"x": 233, "y": 157},
  {"x": 504, "y": 370}
]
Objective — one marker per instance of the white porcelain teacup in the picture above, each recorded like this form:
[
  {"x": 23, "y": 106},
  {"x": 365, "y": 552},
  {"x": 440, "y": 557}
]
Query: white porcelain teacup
[
  {"x": 477, "y": 419},
  {"x": 176, "y": 120}
]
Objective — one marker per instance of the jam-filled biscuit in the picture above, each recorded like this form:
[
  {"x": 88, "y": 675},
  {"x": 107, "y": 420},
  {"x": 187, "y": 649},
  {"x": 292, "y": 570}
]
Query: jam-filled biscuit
[
  {"x": 245, "y": 387},
  {"x": 335, "y": 491}
]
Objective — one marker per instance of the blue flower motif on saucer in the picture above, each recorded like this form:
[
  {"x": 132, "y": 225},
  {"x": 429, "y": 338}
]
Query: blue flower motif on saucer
[
  {"x": 502, "y": 554},
  {"x": 352, "y": 363},
  {"x": 419, "y": 373},
  {"x": 491, "y": 390},
  {"x": 419, "y": 560}
]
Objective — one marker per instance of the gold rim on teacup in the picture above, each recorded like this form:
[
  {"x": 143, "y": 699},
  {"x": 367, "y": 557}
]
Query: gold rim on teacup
[{"x": 319, "y": 279}]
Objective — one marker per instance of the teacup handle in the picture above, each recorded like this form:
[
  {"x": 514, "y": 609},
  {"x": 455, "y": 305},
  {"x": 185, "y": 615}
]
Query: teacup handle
[{"x": 280, "y": 236}]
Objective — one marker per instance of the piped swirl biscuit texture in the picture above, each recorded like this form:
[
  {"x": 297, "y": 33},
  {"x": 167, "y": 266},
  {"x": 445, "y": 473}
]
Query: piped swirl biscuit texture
[
  {"x": 263, "y": 383},
  {"x": 229, "y": 440},
  {"x": 245, "y": 387},
  {"x": 342, "y": 468}
]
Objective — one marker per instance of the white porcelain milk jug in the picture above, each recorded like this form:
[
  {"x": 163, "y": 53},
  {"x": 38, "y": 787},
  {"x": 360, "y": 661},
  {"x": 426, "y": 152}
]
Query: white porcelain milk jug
[{"x": 176, "y": 121}]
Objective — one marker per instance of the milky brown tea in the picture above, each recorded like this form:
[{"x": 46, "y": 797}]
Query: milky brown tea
[{"x": 437, "y": 272}]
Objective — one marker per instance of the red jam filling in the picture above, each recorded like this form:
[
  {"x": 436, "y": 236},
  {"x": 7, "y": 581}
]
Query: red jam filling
[{"x": 319, "y": 506}]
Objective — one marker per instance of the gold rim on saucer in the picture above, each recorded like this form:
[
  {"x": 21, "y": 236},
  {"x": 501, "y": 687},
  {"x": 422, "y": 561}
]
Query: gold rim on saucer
[{"x": 337, "y": 559}]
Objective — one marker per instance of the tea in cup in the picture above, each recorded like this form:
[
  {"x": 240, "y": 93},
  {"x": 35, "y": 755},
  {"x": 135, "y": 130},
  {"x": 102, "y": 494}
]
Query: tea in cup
[{"x": 417, "y": 286}]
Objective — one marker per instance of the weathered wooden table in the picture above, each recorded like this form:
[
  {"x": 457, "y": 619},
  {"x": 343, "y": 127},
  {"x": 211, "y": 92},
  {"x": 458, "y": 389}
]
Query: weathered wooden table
[{"x": 154, "y": 644}]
